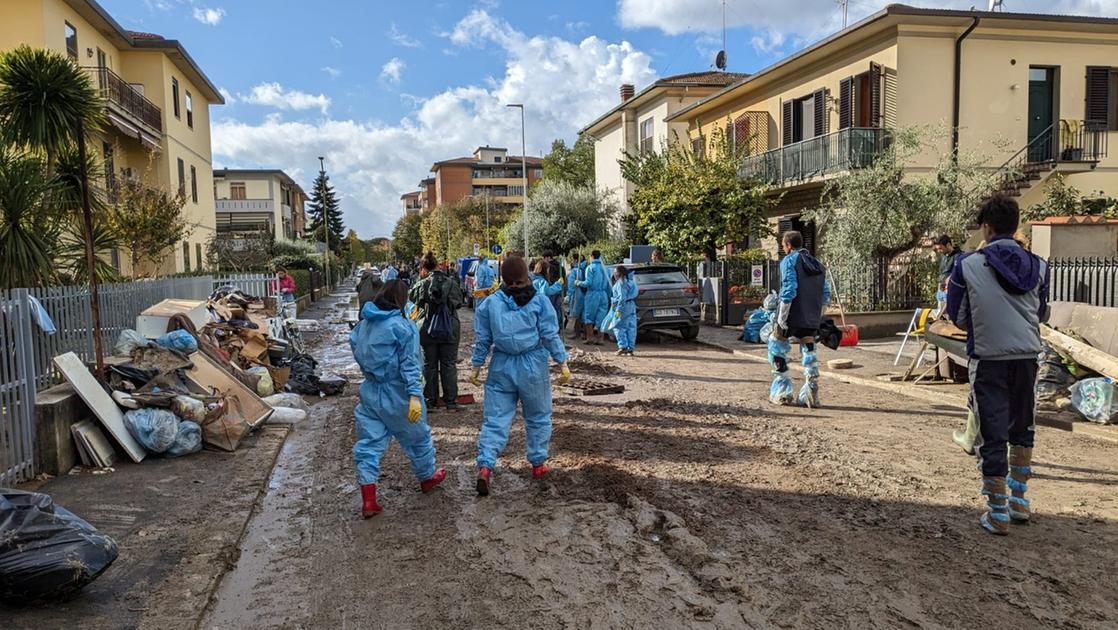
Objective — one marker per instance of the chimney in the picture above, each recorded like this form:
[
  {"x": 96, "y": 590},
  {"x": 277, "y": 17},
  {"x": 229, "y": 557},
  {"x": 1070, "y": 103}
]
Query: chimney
[{"x": 627, "y": 91}]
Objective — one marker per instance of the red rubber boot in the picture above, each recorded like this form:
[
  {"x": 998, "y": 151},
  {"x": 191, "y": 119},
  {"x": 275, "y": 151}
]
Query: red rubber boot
[
  {"x": 436, "y": 479},
  {"x": 539, "y": 471},
  {"x": 369, "y": 505},
  {"x": 483, "y": 475}
]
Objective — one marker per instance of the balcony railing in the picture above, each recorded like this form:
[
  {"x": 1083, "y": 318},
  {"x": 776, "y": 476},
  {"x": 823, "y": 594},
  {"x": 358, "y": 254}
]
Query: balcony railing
[
  {"x": 244, "y": 205},
  {"x": 843, "y": 150},
  {"x": 121, "y": 95}
]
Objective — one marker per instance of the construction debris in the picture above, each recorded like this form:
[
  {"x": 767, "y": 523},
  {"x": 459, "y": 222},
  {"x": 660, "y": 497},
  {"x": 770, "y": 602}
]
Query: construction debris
[{"x": 586, "y": 387}]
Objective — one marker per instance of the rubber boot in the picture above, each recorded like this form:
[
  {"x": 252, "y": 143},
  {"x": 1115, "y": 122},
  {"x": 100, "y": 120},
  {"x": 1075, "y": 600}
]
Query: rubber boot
[
  {"x": 966, "y": 437},
  {"x": 483, "y": 477},
  {"x": 1020, "y": 471},
  {"x": 780, "y": 393},
  {"x": 539, "y": 471},
  {"x": 369, "y": 505},
  {"x": 436, "y": 479},
  {"x": 809, "y": 393},
  {"x": 996, "y": 518}
]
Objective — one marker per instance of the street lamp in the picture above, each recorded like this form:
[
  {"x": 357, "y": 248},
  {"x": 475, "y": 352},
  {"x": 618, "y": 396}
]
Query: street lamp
[
  {"x": 524, "y": 174},
  {"x": 325, "y": 219}
]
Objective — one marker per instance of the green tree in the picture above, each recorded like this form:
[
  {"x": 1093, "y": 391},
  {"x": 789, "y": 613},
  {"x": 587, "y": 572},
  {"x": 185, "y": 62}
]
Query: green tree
[
  {"x": 148, "y": 221},
  {"x": 694, "y": 204},
  {"x": 324, "y": 204},
  {"x": 562, "y": 217},
  {"x": 574, "y": 165},
  {"x": 251, "y": 251},
  {"x": 407, "y": 242},
  {"x": 26, "y": 248}
]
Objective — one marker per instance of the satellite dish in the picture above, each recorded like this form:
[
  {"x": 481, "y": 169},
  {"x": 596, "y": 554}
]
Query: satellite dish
[{"x": 720, "y": 60}]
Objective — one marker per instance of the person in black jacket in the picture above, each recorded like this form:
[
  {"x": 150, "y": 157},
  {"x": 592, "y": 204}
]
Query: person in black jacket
[
  {"x": 804, "y": 294},
  {"x": 440, "y": 354}
]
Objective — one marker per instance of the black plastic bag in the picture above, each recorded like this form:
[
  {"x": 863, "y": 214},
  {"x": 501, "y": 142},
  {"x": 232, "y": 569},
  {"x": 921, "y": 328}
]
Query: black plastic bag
[
  {"x": 828, "y": 334},
  {"x": 46, "y": 552}
]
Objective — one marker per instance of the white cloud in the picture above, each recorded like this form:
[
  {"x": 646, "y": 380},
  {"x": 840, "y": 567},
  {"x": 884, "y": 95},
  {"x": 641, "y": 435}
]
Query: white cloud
[
  {"x": 564, "y": 85},
  {"x": 275, "y": 95},
  {"x": 333, "y": 72},
  {"x": 335, "y": 42},
  {"x": 208, "y": 16},
  {"x": 392, "y": 69},
  {"x": 227, "y": 95},
  {"x": 402, "y": 39}
]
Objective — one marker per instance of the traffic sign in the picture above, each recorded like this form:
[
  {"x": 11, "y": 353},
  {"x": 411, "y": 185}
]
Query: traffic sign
[
  {"x": 497, "y": 248},
  {"x": 477, "y": 248}
]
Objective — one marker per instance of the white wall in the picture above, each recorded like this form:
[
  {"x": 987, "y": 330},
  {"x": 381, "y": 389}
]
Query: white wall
[{"x": 607, "y": 172}]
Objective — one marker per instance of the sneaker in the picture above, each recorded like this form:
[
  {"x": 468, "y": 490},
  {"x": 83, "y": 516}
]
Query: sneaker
[
  {"x": 539, "y": 471},
  {"x": 621, "y": 352},
  {"x": 452, "y": 407},
  {"x": 483, "y": 480}
]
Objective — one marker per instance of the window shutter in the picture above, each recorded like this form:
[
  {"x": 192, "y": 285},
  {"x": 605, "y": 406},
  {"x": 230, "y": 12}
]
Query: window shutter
[
  {"x": 1098, "y": 95},
  {"x": 786, "y": 122},
  {"x": 783, "y": 224},
  {"x": 820, "y": 103},
  {"x": 807, "y": 229},
  {"x": 875, "y": 95},
  {"x": 846, "y": 103},
  {"x": 697, "y": 146},
  {"x": 742, "y": 135}
]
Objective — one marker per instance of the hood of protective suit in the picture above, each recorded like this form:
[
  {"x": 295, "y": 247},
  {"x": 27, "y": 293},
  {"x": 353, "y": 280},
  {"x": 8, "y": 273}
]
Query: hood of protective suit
[
  {"x": 1018, "y": 271},
  {"x": 373, "y": 312},
  {"x": 811, "y": 264}
]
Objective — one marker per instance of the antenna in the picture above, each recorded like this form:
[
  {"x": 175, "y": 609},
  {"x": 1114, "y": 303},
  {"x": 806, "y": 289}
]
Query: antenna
[
  {"x": 845, "y": 4},
  {"x": 720, "y": 58},
  {"x": 996, "y": 5}
]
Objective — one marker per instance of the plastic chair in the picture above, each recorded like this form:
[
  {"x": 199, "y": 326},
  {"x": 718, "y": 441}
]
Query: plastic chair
[{"x": 917, "y": 327}]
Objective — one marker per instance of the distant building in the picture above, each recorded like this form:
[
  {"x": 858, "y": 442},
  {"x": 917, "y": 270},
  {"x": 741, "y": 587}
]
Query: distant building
[
  {"x": 250, "y": 200},
  {"x": 491, "y": 171},
  {"x": 427, "y": 193},
  {"x": 412, "y": 203}
]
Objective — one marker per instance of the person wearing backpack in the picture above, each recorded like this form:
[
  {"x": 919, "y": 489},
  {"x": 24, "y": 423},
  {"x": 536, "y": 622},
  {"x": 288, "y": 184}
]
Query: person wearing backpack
[{"x": 438, "y": 297}]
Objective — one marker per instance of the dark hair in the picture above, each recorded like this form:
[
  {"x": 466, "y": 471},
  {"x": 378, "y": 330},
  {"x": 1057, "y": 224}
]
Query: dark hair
[
  {"x": 595, "y": 254},
  {"x": 620, "y": 270},
  {"x": 942, "y": 239},
  {"x": 541, "y": 267},
  {"x": 280, "y": 268},
  {"x": 430, "y": 262},
  {"x": 514, "y": 270},
  {"x": 393, "y": 295},
  {"x": 1001, "y": 213},
  {"x": 574, "y": 257},
  {"x": 794, "y": 238}
]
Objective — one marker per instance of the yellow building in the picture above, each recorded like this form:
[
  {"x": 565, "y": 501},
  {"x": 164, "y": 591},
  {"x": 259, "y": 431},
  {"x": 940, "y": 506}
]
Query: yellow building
[
  {"x": 250, "y": 200},
  {"x": 1034, "y": 93},
  {"x": 158, "y": 106}
]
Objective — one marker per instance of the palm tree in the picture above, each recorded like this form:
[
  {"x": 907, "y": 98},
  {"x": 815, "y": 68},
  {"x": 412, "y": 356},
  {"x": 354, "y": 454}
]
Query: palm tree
[{"x": 26, "y": 243}]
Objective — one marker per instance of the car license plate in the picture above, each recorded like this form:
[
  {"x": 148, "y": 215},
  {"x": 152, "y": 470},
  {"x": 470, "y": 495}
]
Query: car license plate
[{"x": 665, "y": 312}]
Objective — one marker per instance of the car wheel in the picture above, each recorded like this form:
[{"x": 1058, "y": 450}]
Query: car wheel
[{"x": 690, "y": 332}]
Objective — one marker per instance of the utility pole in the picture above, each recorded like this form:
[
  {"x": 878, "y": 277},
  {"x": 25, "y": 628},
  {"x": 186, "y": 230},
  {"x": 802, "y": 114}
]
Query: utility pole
[
  {"x": 325, "y": 219},
  {"x": 488, "y": 244},
  {"x": 524, "y": 174},
  {"x": 845, "y": 9}
]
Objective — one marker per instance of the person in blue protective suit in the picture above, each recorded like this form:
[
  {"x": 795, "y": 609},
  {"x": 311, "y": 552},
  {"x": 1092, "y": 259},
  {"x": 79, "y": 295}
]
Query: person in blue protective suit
[
  {"x": 804, "y": 294},
  {"x": 575, "y": 295},
  {"x": 518, "y": 325},
  {"x": 386, "y": 346},
  {"x": 625, "y": 310},
  {"x": 390, "y": 273},
  {"x": 547, "y": 289},
  {"x": 596, "y": 304},
  {"x": 483, "y": 280}
]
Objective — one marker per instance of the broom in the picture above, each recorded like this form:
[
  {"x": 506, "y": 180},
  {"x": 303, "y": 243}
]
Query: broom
[{"x": 849, "y": 331}]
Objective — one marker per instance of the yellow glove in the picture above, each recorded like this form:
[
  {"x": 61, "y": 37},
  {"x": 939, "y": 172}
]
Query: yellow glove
[
  {"x": 564, "y": 374},
  {"x": 475, "y": 377},
  {"x": 415, "y": 409}
]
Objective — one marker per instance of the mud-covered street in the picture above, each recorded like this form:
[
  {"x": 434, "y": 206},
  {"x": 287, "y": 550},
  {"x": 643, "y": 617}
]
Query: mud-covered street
[{"x": 686, "y": 502}]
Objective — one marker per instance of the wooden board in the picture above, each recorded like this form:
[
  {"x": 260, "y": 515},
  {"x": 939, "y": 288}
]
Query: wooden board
[
  {"x": 210, "y": 375},
  {"x": 1081, "y": 353},
  {"x": 579, "y": 387},
  {"x": 99, "y": 403},
  {"x": 83, "y": 448}
]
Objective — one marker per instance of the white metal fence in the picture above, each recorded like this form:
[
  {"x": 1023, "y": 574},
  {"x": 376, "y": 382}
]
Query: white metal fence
[{"x": 26, "y": 351}]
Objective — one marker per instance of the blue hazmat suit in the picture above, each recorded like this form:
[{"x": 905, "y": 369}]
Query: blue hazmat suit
[
  {"x": 624, "y": 303},
  {"x": 596, "y": 306},
  {"x": 782, "y": 389},
  {"x": 390, "y": 273},
  {"x": 483, "y": 276},
  {"x": 521, "y": 339},
  {"x": 548, "y": 290},
  {"x": 386, "y": 346},
  {"x": 575, "y": 291}
]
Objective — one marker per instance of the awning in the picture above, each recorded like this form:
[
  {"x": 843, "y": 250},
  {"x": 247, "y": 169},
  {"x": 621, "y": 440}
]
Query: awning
[{"x": 133, "y": 130}]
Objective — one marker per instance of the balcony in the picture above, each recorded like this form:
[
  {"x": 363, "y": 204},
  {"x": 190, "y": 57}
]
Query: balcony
[
  {"x": 126, "y": 100},
  {"x": 843, "y": 150},
  {"x": 245, "y": 205}
]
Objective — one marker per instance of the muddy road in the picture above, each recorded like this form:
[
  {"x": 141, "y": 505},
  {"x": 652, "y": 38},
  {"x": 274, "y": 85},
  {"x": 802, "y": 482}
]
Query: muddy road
[{"x": 686, "y": 502}]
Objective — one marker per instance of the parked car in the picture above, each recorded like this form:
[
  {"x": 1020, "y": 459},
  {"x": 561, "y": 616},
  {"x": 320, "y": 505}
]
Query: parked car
[
  {"x": 469, "y": 281},
  {"x": 666, "y": 299}
]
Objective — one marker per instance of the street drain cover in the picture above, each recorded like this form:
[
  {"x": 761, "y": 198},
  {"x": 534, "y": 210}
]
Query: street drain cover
[{"x": 585, "y": 387}]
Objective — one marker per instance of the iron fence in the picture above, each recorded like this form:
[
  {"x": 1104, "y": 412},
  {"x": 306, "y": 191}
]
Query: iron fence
[
  {"x": 1087, "y": 280},
  {"x": 843, "y": 150},
  {"x": 883, "y": 285}
]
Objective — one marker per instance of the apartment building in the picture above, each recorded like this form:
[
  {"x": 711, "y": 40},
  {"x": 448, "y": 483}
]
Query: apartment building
[
  {"x": 1034, "y": 93},
  {"x": 252, "y": 200},
  {"x": 490, "y": 171},
  {"x": 158, "y": 107},
  {"x": 411, "y": 201},
  {"x": 427, "y": 193},
  {"x": 639, "y": 123}
]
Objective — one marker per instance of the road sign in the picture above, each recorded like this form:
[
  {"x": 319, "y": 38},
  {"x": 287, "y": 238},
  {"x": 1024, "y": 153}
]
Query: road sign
[
  {"x": 477, "y": 248},
  {"x": 497, "y": 248},
  {"x": 757, "y": 275}
]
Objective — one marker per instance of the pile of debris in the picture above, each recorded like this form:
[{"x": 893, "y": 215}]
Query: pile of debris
[{"x": 1073, "y": 375}]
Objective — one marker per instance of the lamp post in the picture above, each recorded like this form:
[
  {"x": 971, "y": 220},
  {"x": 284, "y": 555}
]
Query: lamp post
[
  {"x": 524, "y": 175},
  {"x": 325, "y": 219}
]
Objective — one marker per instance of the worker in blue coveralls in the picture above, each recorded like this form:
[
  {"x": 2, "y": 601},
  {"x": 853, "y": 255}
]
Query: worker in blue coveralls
[
  {"x": 596, "y": 304},
  {"x": 576, "y": 295},
  {"x": 804, "y": 295},
  {"x": 483, "y": 280},
  {"x": 519, "y": 326},
  {"x": 545, "y": 288},
  {"x": 385, "y": 344},
  {"x": 390, "y": 272},
  {"x": 625, "y": 310}
]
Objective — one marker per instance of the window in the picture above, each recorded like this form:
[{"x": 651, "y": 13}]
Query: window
[
  {"x": 697, "y": 146},
  {"x": 237, "y": 190},
  {"x": 646, "y": 136},
  {"x": 186, "y": 256},
  {"x": 860, "y": 99},
  {"x": 110, "y": 169},
  {"x": 804, "y": 118},
  {"x": 175, "y": 96},
  {"x": 1102, "y": 97},
  {"x": 198, "y": 255},
  {"x": 189, "y": 111},
  {"x": 538, "y": 173},
  {"x": 182, "y": 177},
  {"x": 193, "y": 185},
  {"x": 497, "y": 158},
  {"x": 71, "y": 41}
]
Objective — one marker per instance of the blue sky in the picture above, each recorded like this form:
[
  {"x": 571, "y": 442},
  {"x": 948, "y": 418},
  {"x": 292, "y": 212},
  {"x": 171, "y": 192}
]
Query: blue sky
[{"x": 385, "y": 88}]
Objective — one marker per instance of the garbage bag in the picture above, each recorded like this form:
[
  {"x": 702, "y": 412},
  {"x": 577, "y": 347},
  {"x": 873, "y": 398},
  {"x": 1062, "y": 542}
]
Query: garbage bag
[
  {"x": 46, "y": 552},
  {"x": 766, "y": 332},
  {"x": 129, "y": 377},
  {"x": 1096, "y": 399},
  {"x": 303, "y": 379},
  {"x": 129, "y": 340},
  {"x": 331, "y": 384},
  {"x": 753, "y": 325},
  {"x": 609, "y": 324},
  {"x": 180, "y": 340},
  {"x": 154, "y": 429},
  {"x": 188, "y": 408},
  {"x": 265, "y": 386},
  {"x": 287, "y": 400},
  {"x": 188, "y": 439},
  {"x": 287, "y": 415}
]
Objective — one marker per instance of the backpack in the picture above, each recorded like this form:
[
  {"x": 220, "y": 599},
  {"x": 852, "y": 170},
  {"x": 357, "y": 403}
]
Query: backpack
[{"x": 438, "y": 325}]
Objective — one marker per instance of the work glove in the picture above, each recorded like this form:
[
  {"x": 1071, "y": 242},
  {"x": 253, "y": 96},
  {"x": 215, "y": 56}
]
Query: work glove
[
  {"x": 617, "y": 314},
  {"x": 940, "y": 296},
  {"x": 475, "y": 377},
  {"x": 564, "y": 373},
  {"x": 415, "y": 409}
]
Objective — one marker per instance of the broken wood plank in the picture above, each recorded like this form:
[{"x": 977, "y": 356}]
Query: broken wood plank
[
  {"x": 1081, "y": 353},
  {"x": 99, "y": 403}
]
